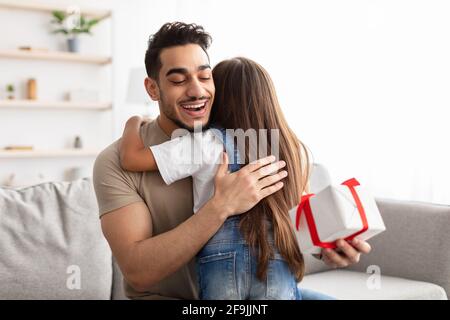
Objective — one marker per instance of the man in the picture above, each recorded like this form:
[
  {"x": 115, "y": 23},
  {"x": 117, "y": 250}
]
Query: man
[{"x": 149, "y": 225}]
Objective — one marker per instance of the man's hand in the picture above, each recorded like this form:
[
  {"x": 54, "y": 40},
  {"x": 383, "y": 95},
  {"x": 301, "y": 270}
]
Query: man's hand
[
  {"x": 346, "y": 253},
  {"x": 238, "y": 192}
]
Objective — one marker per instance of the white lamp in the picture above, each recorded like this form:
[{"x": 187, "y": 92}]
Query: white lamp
[{"x": 138, "y": 95}]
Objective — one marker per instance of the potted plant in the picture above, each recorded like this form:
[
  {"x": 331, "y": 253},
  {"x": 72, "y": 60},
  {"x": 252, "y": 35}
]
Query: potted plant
[
  {"x": 72, "y": 25},
  {"x": 10, "y": 90}
]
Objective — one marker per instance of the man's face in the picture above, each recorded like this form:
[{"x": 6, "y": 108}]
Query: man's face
[{"x": 186, "y": 88}]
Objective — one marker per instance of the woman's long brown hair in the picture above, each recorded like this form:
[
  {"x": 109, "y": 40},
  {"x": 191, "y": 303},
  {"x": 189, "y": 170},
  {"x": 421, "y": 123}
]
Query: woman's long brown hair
[{"x": 245, "y": 98}]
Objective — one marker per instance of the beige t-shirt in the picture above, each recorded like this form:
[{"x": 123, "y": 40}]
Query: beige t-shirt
[{"x": 169, "y": 206}]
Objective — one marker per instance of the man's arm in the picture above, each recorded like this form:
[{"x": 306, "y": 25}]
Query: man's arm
[{"x": 145, "y": 259}]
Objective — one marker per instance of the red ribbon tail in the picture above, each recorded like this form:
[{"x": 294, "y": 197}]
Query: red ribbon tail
[{"x": 351, "y": 183}]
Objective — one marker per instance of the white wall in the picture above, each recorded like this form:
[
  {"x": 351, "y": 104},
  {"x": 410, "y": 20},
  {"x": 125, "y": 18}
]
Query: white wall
[{"x": 363, "y": 83}]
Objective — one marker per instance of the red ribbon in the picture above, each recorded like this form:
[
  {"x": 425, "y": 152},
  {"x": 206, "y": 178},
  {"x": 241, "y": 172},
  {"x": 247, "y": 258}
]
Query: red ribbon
[{"x": 305, "y": 206}]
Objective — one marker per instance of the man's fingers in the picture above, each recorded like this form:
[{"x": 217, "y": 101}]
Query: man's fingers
[
  {"x": 351, "y": 253},
  {"x": 270, "y": 180},
  {"x": 223, "y": 167},
  {"x": 268, "y": 170},
  {"x": 334, "y": 258},
  {"x": 328, "y": 262},
  {"x": 255, "y": 165},
  {"x": 270, "y": 190},
  {"x": 361, "y": 245}
]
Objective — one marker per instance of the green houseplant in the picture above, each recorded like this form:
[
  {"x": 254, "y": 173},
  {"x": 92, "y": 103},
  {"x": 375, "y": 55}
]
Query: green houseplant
[
  {"x": 72, "y": 25},
  {"x": 10, "y": 90}
]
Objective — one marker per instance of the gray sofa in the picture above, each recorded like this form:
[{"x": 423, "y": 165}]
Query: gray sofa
[{"x": 52, "y": 247}]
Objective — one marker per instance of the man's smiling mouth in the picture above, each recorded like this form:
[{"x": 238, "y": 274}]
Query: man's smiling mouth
[{"x": 195, "y": 109}]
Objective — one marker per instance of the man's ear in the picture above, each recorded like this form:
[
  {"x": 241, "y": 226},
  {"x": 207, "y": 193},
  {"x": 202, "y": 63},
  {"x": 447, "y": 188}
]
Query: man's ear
[{"x": 152, "y": 88}]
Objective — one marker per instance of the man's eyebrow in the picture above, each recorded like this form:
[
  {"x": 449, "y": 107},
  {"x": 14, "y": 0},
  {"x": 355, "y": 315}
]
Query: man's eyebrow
[
  {"x": 176, "y": 70},
  {"x": 185, "y": 71},
  {"x": 204, "y": 66}
]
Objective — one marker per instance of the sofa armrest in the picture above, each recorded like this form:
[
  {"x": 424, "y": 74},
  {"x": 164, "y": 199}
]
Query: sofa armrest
[{"x": 415, "y": 245}]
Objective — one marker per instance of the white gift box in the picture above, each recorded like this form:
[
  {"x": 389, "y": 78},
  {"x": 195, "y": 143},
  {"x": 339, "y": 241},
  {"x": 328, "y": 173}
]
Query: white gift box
[{"x": 334, "y": 215}]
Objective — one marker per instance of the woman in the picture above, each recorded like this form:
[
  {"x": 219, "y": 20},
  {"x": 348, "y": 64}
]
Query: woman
[{"x": 254, "y": 255}]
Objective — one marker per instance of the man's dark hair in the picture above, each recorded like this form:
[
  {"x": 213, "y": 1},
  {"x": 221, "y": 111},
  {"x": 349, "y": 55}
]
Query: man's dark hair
[{"x": 173, "y": 34}]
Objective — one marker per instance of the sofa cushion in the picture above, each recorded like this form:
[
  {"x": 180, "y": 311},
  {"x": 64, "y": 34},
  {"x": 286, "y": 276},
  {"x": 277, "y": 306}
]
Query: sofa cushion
[
  {"x": 343, "y": 284},
  {"x": 415, "y": 243},
  {"x": 51, "y": 244}
]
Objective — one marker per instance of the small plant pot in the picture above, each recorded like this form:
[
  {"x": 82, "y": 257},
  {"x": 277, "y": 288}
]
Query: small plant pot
[{"x": 73, "y": 45}]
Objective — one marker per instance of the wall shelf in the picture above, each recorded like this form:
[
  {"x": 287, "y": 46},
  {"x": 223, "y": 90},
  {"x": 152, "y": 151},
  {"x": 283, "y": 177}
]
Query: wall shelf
[
  {"x": 61, "y": 153},
  {"x": 48, "y": 7},
  {"x": 45, "y": 59},
  {"x": 55, "y": 56},
  {"x": 54, "y": 105}
]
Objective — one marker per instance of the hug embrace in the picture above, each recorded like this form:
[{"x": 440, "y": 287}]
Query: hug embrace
[{"x": 209, "y": 222}]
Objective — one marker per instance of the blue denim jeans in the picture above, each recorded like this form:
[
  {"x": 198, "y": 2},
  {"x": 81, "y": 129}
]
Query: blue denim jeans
[
  {"x": 227, "y": 268},
  {"x": 307, "y": 294}
]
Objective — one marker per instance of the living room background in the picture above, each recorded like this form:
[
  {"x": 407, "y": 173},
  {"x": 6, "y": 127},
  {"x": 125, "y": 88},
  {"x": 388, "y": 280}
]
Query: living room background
[{"x": 364, "y": 84}]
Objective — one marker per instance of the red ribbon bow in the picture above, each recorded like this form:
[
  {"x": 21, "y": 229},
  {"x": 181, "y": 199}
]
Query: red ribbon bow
[{"x": 305, "y": 206}]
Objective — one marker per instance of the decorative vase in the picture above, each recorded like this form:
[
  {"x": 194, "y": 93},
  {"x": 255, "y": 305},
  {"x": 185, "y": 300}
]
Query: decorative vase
[
  {"x": 78, "y": 144},
  {"x": 73, "y": 44},
  {"x": 32, "y": 89}
]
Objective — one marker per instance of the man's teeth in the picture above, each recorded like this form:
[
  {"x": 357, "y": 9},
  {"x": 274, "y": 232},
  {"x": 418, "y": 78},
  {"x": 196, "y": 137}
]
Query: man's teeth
[{"x": 194, "y": 106}]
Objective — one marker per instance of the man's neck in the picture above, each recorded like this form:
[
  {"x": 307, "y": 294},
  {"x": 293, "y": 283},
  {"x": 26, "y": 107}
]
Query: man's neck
[{"x": 166, "y": 125}]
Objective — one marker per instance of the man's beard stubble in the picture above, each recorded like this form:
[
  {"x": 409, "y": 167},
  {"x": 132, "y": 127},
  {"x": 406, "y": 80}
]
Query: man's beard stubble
[{"x": 172, "y": 116}]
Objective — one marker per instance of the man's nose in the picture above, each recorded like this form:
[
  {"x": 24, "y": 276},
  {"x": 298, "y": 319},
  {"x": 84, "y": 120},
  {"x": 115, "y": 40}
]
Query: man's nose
[{"x": 195, "y": 89}]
